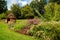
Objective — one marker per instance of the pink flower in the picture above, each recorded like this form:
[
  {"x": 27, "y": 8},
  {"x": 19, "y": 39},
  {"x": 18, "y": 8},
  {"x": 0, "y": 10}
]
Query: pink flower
[{"x": 33, "y": 21}]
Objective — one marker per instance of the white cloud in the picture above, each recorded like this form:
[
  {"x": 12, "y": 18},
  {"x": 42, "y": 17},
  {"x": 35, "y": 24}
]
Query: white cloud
[
  {"x": 38, "y": 0},
  {"x": 23, "y": 3},
  {"x": 13, "y": 1}
]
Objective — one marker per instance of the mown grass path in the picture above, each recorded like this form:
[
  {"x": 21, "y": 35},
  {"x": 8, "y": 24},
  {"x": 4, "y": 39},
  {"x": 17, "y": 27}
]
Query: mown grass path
[{"x": 6, "y": 34}]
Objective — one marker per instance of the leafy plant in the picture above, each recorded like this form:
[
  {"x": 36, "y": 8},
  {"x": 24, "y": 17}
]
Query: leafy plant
[
  {"x": 46, "y": 31},
  {"x": 2, "y": 15},
  {"x": 52, "y": 12}
]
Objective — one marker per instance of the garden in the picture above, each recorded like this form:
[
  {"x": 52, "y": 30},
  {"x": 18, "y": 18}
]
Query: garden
[{"x": 38, "y": 20}]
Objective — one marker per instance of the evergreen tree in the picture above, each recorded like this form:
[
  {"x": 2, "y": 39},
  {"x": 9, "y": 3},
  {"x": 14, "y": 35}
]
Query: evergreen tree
[
  {"x": 16, "y": 10},
  {"x": 38, "y": 5},
  {"x": 3, "y": 6},
  {"x": 57, "y": 1}
]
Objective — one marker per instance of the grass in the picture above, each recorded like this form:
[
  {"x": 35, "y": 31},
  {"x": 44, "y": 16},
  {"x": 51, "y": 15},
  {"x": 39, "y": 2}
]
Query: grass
[
  {"x": 6, "y": 34},
  {"x": 20, "y": 24}
]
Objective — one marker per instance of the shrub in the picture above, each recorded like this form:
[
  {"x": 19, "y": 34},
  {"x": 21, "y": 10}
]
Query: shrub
[
  {"x": 34, "y": 21},
  {"x": 2, "y": 15},
  {"x": 27, "y": 12},
  {"x": 46, "y": 31},
  {"x": 52, "y": 12}
]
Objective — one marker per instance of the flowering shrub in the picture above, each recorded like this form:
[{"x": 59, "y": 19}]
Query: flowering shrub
[
  {"x": 46, "y": 31},
  {"x": 33, "y": 21}
]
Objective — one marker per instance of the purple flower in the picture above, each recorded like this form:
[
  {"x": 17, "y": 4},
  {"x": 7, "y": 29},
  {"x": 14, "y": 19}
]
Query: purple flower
[{"x": 33, "y": 21}]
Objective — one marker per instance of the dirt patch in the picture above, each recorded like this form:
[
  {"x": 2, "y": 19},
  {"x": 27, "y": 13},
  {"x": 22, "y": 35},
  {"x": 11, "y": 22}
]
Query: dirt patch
[{"x": 24, "y": 30}]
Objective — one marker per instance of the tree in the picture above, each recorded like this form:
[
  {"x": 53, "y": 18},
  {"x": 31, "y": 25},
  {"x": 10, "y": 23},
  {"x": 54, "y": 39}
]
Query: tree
[
  {"x": 58, "y": 1},
  {"x": 3, "y": 6},
  {"x": 52, "y": 12},
  {"x": 16, "y": 10},
  {"x": 39, "y": 5},
  {"x": 49, "y": 11},
  {"x": 27, "y": 12}
]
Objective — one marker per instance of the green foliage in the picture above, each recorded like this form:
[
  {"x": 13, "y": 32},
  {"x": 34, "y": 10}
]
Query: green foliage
[
  {"x": 6, "y": 34},
  {"x": 49, "y": 11},
  {"x": 2, "y": 16},
  {"x": 16, "y": 10},
  {"x": 8, "y": 12},
  {"x": 46, "y": 30},
  {"x": 20, "y": 24},
  {"x": 38, "y": 5},
  {"x": 38, "y": 13},
  {"x": 3, "y": 6},
  {"x": 58, "y": 1},
  {"x": 24, "y": 12},
  {"x": 52, "y": 11},
  {"x": 27, "y": 12}
]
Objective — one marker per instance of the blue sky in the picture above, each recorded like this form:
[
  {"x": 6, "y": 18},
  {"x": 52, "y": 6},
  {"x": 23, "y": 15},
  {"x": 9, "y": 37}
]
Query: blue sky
[{"x": 21, "y": 2}]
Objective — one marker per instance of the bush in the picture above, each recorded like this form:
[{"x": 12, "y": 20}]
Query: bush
[
  {"x": 34, "y": 21},
  {"x": 46, "y": 31},
  {"x": 27, "y": 12},
  {"x": 2, "y": 15},
  {"x": 52, "y": 12}
]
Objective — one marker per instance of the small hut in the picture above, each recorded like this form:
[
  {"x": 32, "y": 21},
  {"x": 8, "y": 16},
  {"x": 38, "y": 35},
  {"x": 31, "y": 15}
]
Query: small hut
[{"x": 11, "y": 19}]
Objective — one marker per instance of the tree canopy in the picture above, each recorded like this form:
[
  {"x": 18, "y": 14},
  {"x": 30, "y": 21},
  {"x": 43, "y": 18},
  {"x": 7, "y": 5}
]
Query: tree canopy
[
  {"x": 57, "y": 1},
  {"x": 27, "y": 12},
  {"x": 16, "y": 10},
  {"x": 39, "y": 5},
  {"x": 3, "y": 6}
]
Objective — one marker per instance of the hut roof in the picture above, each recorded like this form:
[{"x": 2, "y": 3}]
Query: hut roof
[{"x": 11, "y": 15}]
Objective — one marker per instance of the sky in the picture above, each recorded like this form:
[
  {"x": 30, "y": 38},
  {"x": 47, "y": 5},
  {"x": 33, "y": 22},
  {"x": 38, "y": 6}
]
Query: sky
[{"x": 20, "y": 2}]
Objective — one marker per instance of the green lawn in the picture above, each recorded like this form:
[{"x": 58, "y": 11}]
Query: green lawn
[
  {"x": 20, "y": 24},
  {"x": 6, "y": 34}
]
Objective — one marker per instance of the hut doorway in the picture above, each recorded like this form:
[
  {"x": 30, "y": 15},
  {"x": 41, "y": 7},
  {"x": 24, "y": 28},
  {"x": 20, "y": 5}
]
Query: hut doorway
[{"x": 8, "y": 19}]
